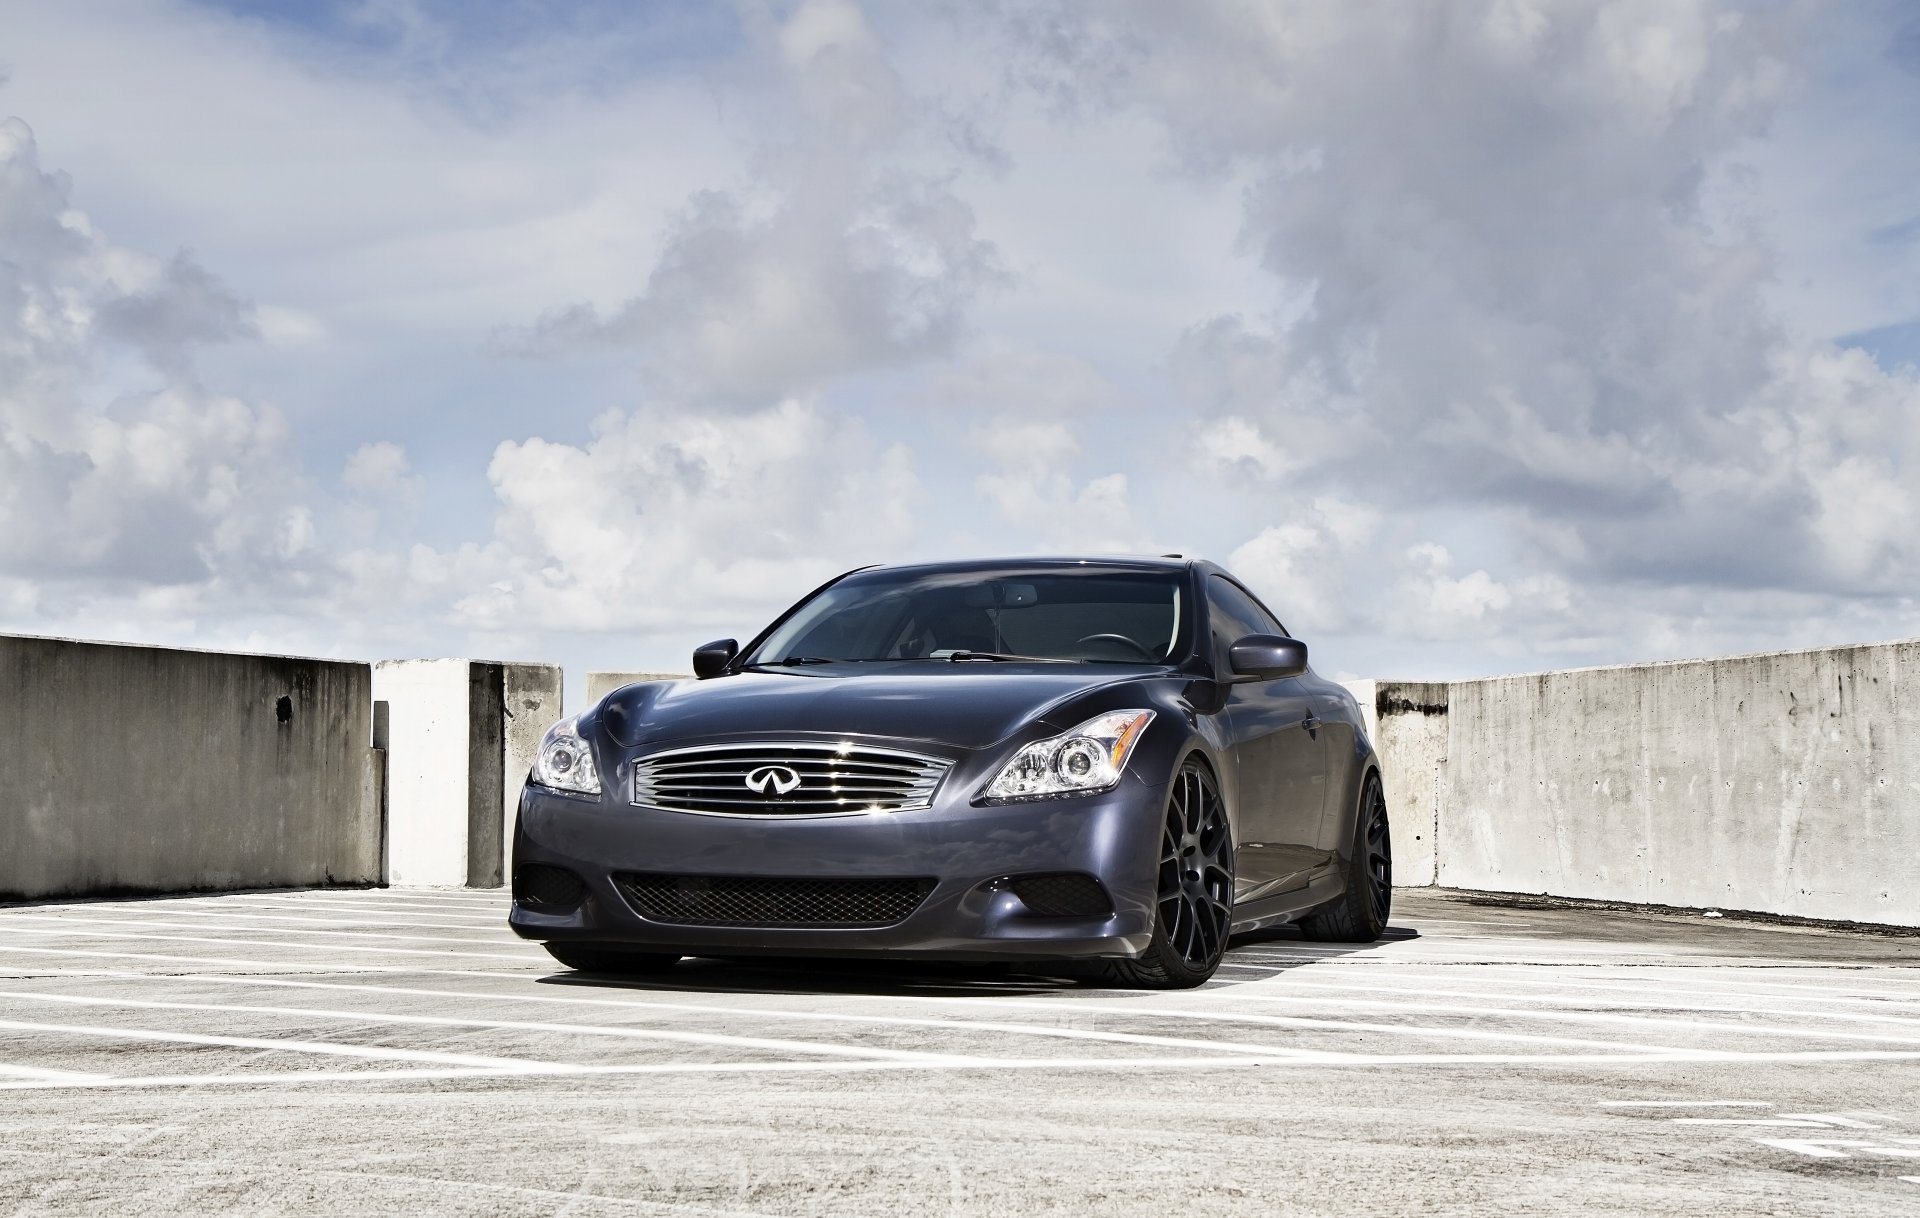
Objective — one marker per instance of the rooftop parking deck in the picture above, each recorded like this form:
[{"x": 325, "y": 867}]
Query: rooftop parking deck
[{"x": 374, "y": 1051}]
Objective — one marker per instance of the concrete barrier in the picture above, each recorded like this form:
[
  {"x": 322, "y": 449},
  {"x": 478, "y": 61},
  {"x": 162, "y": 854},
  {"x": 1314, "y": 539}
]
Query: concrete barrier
[
  {"x": 1785, "y": 783},
  {"x": 460, "y": 737},
  {"x": 145, "y": 769},
  {"x": 600, "y": 684}
]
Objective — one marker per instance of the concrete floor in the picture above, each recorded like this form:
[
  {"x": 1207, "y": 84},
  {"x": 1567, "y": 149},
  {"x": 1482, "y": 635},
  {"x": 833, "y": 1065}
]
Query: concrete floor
[{"x": 374, "y": 1052}]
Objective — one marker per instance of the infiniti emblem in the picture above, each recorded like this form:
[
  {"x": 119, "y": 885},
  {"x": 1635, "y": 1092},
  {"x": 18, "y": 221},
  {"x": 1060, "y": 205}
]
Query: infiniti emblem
[{"x": 779, "y": 777}]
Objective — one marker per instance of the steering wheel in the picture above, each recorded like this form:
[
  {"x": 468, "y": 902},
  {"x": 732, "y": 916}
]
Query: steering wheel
[{"x": 1121, "y": 639}]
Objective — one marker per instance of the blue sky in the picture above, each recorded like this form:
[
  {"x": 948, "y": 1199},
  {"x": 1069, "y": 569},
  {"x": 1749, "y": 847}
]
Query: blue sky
[{"x": 1480, "y": 337}]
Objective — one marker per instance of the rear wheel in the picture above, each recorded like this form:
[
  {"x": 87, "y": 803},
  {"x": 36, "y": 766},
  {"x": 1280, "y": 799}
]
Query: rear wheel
[
  {"x": 1363, "y": 909},
  {"x": 609, "y": 959},
  {"x": 1193, "y": 906}
]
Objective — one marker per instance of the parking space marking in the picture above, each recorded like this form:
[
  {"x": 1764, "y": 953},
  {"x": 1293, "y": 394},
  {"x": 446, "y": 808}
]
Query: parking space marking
[
  {"x": 706, "y": 1038},
  {"x": 1571, "y": 991},
  {"x": 250, "y": 926},
  {"x": 1650, "y": 1022},
  {"x": 8, "y": 1070},
  {"x": 327, "y": 1048},
  {"x": 1529, "y": 975},
  {"x": 1682, "y": 1104},
  {"x": 226, "y": 905},
  {"x": 252, "y": 914},
  {"x": 529, "y": 957},
  {"x": 268, "y": 930}
]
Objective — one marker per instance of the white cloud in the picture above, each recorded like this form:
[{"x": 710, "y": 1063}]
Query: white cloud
[
  {"x": 116, "y": 467},
  {"x": 1311, "y": 569},
  {"x": 663, "y": 519},
  {"x": 1469, "y": 333}
]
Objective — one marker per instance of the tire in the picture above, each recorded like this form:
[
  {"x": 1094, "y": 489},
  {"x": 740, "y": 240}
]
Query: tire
[
  {"x": 586, "y": 959},
  {"x": 1362, "y": 911},
  {"x": 1193, "y": 904}
]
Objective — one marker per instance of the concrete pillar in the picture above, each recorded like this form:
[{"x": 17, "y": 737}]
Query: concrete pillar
[
  {"x": 531, "y": 695},
  {"x": 460, "y": 735},
  {"x": 1407, "y": 722}
]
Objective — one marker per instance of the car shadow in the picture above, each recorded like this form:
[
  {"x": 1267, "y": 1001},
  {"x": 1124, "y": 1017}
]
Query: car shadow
[{"x": 1250, "y": 957}]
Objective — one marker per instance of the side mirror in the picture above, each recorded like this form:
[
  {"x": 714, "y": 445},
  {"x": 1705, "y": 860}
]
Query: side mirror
[
  {"x": 710, "y": 659},
  {"x": 1268, "y": 657}
]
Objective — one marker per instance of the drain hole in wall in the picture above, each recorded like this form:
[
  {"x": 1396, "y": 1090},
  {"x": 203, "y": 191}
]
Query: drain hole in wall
[{"x": 283, "y": 710}]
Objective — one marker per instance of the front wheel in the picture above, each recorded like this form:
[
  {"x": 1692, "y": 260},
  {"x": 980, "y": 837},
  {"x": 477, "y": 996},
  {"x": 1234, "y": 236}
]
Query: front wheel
[
  {"x": 1193, "y": 905},
  {"x": 1363, "y": 909},
  {"x": 587, "y": 959}
]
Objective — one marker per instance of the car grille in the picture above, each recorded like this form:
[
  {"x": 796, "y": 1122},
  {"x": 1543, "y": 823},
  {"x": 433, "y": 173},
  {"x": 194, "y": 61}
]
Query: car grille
[
  {"x": 787, "y": 779},
  {"x": 730, "y": 900}
]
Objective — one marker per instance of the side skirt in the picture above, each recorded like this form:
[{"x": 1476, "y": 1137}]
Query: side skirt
[{"x": 1322, "y": 889}]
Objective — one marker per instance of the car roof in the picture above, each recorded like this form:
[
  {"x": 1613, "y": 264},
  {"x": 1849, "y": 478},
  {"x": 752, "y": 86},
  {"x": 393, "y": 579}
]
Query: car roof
[{"x": 1114, "y": 562}]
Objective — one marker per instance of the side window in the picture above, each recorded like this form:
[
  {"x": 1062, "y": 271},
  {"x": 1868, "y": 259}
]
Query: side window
[{"x": 1235, "y": 615}]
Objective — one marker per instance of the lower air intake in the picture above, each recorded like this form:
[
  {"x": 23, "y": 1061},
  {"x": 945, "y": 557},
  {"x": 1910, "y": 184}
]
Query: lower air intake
[
  {"x": 547, "y": 889},
  {"x": 727, "y": 900},
  {"x": 1062, "y": 894}
]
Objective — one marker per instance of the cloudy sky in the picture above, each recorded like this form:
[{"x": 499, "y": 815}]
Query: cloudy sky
[{"x": 1479, "y": 337}]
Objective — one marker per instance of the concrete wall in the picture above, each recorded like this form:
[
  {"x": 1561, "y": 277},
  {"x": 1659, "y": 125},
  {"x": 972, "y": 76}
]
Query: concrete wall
[
  {"x": 458, "y": 738},
  {"x": 147, "y": 769},
  {"x": 600, "y": 684},
  {"x": 1787, "y": 783}
]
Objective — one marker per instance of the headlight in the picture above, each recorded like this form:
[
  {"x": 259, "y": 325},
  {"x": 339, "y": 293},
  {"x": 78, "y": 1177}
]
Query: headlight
[
  {"x": 1089, "y": 758},
  {"x": 565, "y": 760}
]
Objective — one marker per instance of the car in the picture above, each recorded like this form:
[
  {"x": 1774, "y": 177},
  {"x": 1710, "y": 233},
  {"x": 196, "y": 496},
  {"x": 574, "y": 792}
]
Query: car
[{"x": 1105, "y": 766}]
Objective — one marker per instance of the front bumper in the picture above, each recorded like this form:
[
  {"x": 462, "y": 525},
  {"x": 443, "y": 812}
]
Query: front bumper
[{"x": 1114, "y": 837}]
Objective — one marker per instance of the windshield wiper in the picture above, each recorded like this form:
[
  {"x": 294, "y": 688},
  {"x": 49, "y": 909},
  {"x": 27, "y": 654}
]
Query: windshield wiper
[
  {"x": 959, "y": 655},
  {"x": 790, "y": 662}
]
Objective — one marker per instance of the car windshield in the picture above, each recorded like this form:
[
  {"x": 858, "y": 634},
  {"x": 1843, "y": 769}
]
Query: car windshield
[{"x": 1086, "y": 617}]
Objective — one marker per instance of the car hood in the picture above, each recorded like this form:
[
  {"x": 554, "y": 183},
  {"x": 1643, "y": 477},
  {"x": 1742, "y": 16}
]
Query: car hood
[{"x": 963, "y": 705}]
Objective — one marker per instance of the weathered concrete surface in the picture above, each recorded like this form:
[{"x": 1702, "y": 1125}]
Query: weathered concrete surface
[
  {"x": 150, "y": 769},
  {"x": 458, "y": 750},
  {"x": 600, "y": 684},
  {"x": 1786, "y": 783},
  {"x": 388, "y": 1052},
  {"x": 1407, "y": 722},
  {"x": 531, "y": 695}
]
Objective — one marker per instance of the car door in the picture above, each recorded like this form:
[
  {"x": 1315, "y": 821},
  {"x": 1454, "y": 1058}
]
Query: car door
[{"x": 1280, "y": 756}]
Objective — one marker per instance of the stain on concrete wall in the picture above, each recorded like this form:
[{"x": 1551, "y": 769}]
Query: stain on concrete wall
[{"x": 148, "y": 769}]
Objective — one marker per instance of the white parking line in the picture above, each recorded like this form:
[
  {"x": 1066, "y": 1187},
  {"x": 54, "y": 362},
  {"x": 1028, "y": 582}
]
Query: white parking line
[
  {"x": 398, "y": 915},
  {"x": 523, "y": 957},
  {"x": 630, "y": 1033},
  {"x": 1681, "y": 1104},
  {"x": 1581, "y": 976},
  {"x": 1087, "y": 1064},
  {"x": 160, "y": 924},
  {"x": 491, "y": 927},
  {"x": 370, "y": 1052},
  {"x": 1586, "y": 991},
  {"x": 8, "y": 1070},
  {"x": 1612, "y": 1017}
]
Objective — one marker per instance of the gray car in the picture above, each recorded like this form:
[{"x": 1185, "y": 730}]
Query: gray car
[{"x": 1118, "y": 762}]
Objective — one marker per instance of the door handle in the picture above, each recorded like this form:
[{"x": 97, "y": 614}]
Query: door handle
[{"x": 1310, "y": 723}]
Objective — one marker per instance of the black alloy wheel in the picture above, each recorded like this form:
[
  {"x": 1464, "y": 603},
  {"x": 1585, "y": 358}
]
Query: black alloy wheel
[
  {"x": 1193, "y": 905},
  {"x": 1362, "y": 912},
  {"x": 590, "y": 959}
]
